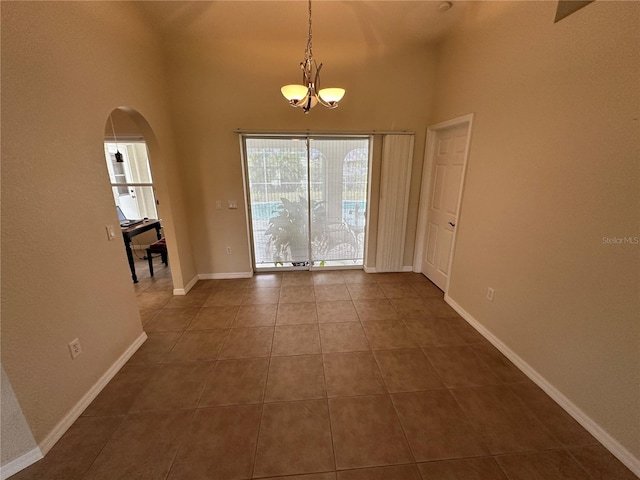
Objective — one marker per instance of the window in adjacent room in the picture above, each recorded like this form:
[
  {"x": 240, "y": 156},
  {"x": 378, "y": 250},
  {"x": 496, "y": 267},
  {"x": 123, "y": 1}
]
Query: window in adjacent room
[{"x": 131, "y": 181}]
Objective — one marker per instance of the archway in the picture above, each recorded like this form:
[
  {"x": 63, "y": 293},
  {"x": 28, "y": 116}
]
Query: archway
[{"x": 135, "y": 166}]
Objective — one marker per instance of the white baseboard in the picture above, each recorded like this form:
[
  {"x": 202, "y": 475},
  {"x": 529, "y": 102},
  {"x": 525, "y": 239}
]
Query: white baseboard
[
  {"x": 224, "y": 276},
  {"x": 335, "y": 268},
  {"x": 188, "y": 286},
  {"x": 64, "y": 424},
  {"x": 610, "y": 443},
  {"x": 20, "y": 463},
  {"x": 406, "y": 268}
]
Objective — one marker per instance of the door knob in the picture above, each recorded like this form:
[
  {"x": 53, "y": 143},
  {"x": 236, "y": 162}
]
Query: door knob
[{"x": 452, "y": 224}]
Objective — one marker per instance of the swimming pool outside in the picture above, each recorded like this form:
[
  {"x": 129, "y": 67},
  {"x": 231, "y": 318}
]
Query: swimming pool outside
[
  {"x": 266, "y": 210},
  {"x": 353, "y": 220}
]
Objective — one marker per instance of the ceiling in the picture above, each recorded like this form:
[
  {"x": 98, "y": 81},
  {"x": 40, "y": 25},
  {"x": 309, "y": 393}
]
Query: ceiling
[{"x": 354, "y": 27}]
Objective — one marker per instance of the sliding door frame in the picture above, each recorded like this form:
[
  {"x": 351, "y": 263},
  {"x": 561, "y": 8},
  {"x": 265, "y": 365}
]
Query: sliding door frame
[{"x": 306, "y": 137}]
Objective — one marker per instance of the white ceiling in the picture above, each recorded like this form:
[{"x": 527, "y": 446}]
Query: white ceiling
[{"x": 351, "y": 27}]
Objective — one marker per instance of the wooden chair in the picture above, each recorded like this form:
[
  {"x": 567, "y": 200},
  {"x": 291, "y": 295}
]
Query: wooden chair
[{"x": 158, "y": 247}]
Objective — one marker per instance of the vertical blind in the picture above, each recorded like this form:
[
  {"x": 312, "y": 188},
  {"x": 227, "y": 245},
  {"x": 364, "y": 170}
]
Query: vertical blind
[{"x": 397, "y": 156}]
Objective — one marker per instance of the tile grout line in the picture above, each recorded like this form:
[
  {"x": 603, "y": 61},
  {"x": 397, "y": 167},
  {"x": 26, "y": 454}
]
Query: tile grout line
[
  {"x": 181, "y": 446},
  {"x": 535, "y": 415},
  {"x": 388, "y": 394},
  {"x": 326, "y": 393},
  {"x": 264, "y": 393},
  {"x": 404, "y": 433},
  {"x": 474, "y": 425},
  {"x": 86, "y": 472},
  {"x": 570, "y": 453}
]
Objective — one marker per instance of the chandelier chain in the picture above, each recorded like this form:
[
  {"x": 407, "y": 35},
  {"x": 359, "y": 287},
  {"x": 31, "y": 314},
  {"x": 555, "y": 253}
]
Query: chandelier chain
[{"x": 310, "y": 36}]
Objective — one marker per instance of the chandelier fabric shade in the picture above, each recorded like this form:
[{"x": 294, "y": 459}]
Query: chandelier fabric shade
[{"x": 308, "y": 94}]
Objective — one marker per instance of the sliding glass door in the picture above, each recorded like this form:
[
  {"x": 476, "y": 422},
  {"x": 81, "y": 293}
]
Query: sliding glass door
[
  {"x": 307, "y": 198},
  {"x": 278, "y": 201}
]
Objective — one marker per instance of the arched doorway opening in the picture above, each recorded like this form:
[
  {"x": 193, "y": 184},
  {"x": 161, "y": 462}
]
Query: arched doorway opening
[{"x": 133, "y": 159}]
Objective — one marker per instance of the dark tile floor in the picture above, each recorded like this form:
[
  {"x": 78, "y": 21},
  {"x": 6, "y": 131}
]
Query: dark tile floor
[{"x": 319, "y": 376}]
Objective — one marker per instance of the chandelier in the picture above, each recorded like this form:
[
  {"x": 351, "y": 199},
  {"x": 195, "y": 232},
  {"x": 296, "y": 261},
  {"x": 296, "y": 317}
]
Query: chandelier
[{"x": 308, "y": 95}]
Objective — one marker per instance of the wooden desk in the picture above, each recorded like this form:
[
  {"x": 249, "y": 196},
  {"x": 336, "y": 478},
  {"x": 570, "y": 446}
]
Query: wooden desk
[{"x": 129, "y": 232}]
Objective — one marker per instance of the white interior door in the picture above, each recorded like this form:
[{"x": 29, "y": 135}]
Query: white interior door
[{"x": 446, "y": 177}]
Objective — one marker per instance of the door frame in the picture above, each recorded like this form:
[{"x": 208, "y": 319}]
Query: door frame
[{"x": 425, "y": 190}]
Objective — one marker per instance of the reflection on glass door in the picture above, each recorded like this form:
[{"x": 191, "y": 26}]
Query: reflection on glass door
[{"x": 307, "y": 200}]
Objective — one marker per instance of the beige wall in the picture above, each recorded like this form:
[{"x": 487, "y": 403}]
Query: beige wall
[
  {"x": 65, "y": 67},
  {"x": 219, "y": 86},
  {"x": 553, "y": 169}
]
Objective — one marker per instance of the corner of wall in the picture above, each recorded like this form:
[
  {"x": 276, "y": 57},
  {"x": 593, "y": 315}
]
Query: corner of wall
[{"x": 19, "y": 449}]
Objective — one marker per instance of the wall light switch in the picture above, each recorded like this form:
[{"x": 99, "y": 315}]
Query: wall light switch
[
  {"x": 218, "y": 204},
  {"x": 233, "y": 204},
  {"x": 111, "y": 233}
]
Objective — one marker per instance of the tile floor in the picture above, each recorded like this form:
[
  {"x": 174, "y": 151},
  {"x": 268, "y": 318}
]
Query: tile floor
[{"x": 319, "y": 376}]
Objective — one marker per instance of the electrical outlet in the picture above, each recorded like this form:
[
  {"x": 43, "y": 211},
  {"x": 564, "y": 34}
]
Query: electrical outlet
[
  {"x": 233, "y": 204},
  {"x": 490, "y": 294},
  {"x": 228, "y": 250},
  {"x": 75, "y": 348}
]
